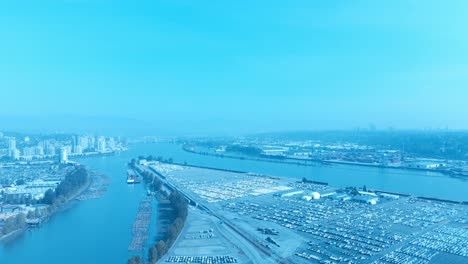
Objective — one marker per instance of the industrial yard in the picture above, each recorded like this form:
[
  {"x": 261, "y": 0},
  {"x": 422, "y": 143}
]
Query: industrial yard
[
  {"x": 202, "y": 241},
  {"x": 283, "y": 219}
]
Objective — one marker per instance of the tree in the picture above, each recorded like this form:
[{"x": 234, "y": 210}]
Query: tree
[
  {"x": 179, "y": 205},
  {"x": 161, "y": 247},
  {"x": 135, "y": 260},
  {"x": 49, "y": 197},
  {"x": 14, "y": 223},
  {"x": 172, "y": 233},
  {"x": 72, "y": 182},
  {"x": 20, "y": 220},
  {"x": 153, "y": 254},
  {"x": 179, "y": 223},
  {"x": 20, "y": 182},
  {"x": 31, "y": 215},
  {"x": 354, "y": 191},
  {"x": 247, "y": 150},
  {"x": 157, "y": 185}
]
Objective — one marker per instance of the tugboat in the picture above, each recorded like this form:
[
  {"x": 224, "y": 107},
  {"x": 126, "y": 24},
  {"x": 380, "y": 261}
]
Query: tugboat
[{"x": 132, "y": 177}]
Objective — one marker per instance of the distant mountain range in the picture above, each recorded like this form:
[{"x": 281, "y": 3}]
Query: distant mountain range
[{"x": 112, "y": 126}]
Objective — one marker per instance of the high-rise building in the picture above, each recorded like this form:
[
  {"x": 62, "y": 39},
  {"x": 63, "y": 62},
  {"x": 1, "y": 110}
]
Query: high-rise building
[
  {"x": 12, "y": 143},
  {"x": 78, "y": 150},
  {"x": 15, "y": 154},
  {"x": 39, "y": 151},
  {"x": 83, "y": 142},
  {"x": 50, "y": 150},
  {"x": 43, "y": 144},
  {"x": 101, "y": 144},
  {"x": 69, "y": 149},
  {"x": 63, "y": 155},
  {"x": 91, "y": 142},
  {"x": 111, "y": 144},
  {"x": 12, "y": 150},
  {"x": 28, "y": 152}
]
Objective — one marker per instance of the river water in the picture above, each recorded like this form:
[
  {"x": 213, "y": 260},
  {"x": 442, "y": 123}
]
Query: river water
[{"x": 99, "y": 230}]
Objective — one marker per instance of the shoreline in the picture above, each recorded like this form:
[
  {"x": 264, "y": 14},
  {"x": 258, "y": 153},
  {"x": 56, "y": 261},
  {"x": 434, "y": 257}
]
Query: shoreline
[
  {"x": 12, "y": 236},
  {"x": 54, "y": 158},
  {"x": 309, "y": 163},
  {"x": 69, "y": 202},
  {"x": 167, "y": 214},
  {"x": 321, "y": 183}
]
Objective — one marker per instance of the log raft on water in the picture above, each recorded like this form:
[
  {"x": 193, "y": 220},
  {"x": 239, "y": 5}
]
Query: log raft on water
[{"x": 140, "y": 230}]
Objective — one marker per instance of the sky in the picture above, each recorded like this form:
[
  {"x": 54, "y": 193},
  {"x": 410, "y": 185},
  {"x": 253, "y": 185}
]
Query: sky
[{"x": 227, "y": 67}]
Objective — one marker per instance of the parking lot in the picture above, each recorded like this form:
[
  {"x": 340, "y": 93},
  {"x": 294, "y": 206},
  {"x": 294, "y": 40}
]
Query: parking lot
[
  {"x": 317, "y": 223},
  {"x": 203, "y": 259}
]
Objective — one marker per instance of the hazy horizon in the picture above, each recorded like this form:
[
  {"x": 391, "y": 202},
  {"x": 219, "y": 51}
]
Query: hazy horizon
[
  {"x": 176, "y": 67},
  {"x": 128, "y": 127}
]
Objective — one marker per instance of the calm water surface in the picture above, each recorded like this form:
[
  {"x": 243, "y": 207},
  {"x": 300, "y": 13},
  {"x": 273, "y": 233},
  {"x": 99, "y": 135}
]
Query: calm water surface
[{"x": 99, "y": 230}]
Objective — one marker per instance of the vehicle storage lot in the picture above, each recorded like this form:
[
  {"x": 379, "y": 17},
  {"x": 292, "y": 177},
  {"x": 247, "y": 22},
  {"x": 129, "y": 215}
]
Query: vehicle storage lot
[
  {"x": 201, "y": 242},
  {"x": 336, "y": 228}
]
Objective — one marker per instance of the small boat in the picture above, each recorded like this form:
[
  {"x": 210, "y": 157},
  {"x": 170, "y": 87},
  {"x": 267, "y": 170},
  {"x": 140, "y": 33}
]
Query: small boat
[{"x": 132, "y": 177}]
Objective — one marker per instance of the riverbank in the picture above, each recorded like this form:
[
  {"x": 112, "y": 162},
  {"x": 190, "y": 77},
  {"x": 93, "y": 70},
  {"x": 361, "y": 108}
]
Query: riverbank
[
  {"x": 98, "y": 220},
  {"x": 172, "y": 211},
  {"x": 12, "y": 235},
  {"x": 313, "y": 182},
  {"x": 52, "y": 210},
  {"x": 319, "y": 162},
  {"x": 253, "y": 217}
]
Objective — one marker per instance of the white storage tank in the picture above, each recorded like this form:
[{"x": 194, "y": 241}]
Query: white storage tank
[{"x": 315, "y": 195}]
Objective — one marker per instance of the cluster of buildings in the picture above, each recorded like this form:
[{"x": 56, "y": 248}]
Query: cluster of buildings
[
  {"x": 23, "y": 184},
  {"x": 27, "y": 148},
  {"x": 345, "y": 153}
]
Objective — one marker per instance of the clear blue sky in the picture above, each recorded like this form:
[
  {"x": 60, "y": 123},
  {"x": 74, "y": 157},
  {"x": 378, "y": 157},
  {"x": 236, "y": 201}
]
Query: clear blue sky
[{"x": 238, "y": 66}]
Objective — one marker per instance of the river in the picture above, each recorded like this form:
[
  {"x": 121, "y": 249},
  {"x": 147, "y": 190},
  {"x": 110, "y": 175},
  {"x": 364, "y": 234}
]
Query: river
[{"x": 99, "y": 230}]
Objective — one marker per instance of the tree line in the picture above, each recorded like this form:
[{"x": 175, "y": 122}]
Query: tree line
[
  {"x": 13, "y": 223},
  {"x": 179, "y": 206},
  {"x": 180, "y": 209},
  {"x": 152, "y": 158},
  {"x": 73, "y": 181},
  {"x": 154, "y": 184}
]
